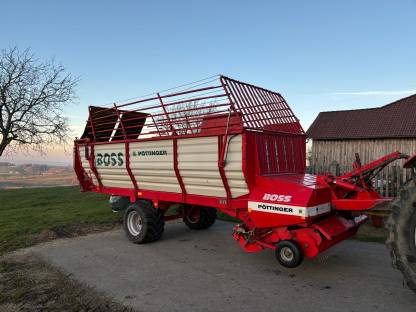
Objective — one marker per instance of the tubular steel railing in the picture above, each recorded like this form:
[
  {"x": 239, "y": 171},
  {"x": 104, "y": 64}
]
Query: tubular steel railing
[{"x": 214, "y": 106}]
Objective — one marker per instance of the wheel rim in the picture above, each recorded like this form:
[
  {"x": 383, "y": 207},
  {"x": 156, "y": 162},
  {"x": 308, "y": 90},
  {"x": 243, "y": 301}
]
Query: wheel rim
[
  {"x": 134, "y": 223},
  {"x": 193, "y": 215},
  {"x": 286, "y": 254}
]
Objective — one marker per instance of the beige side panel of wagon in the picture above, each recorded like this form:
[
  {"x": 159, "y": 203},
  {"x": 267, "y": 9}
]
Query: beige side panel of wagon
[
  {"x": 198, "y": 166},
  {"x": 152, "y": 165},
  {"x": 110, "y": 162},
  {"x": 234, "y": 166},
  {"x": 86, "y": 165}
]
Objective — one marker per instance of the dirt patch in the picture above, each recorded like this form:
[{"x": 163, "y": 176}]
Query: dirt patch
[
  {"x": 368, "y": 233},
  {"x": 29, "y": 284},
  {"x": 72, "y": 231}
]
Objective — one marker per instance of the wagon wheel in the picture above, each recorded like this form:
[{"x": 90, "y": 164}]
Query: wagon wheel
[
  {"x": 143, "y": 223},
  {"x": 199, "y": 217},
  {"x": 402, "y": 233}
]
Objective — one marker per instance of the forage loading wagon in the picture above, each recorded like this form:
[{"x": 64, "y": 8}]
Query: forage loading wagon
[{"x": 220, "y": 144}]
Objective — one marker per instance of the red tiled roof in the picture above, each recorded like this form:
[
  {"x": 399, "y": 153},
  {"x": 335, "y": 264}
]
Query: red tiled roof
[{"x": 394, "y": 120}]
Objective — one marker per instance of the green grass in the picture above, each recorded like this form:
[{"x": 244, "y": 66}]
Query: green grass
[
  {"x": 224, "y": 217},
  {"x": 368, "y": 233},
  {"x": 28, "y": 216}
]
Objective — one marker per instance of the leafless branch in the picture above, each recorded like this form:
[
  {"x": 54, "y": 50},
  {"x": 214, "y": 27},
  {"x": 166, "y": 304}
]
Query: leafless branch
[
  {"x": 186, "y": 118},
  {"x": 33, "y": 95}
]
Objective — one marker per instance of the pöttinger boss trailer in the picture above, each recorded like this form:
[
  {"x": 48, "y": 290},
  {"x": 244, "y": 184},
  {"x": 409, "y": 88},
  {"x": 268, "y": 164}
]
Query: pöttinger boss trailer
[{"x": 221, "y": 144}]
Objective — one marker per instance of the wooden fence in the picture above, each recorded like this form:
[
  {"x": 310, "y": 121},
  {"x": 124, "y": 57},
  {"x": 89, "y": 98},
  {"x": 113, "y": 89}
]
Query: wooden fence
[{"x": 387, "y": 182}]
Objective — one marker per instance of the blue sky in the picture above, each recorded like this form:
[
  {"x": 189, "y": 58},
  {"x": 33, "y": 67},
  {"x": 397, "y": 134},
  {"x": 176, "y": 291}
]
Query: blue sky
[{"x": 321, "y": 55}]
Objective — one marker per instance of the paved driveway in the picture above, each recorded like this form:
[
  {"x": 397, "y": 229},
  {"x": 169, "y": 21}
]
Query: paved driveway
[{"x": 207, "y": 271}]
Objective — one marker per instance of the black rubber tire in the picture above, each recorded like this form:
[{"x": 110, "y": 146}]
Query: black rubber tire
[
  {"x": 402, "y": 232},
  {"x": 296, "y": 253},
  {"x": 207, "y": 217},
  {"x": 153, "y": 222}
]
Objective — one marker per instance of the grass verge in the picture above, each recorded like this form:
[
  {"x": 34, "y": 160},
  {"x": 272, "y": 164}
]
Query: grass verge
[
  {"x": 369, "y": 233},
  {"x": 29, "y": 284},
  {"x": 30, "y": 216},
  {"x": 224, "y": 217}
]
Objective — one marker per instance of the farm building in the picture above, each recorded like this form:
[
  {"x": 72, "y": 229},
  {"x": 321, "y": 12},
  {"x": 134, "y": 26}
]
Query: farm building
[{"x": 373, "y": 132}]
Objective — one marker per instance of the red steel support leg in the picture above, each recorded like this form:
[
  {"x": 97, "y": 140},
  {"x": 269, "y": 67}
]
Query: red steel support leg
[
  {"x": 85, "y": 182},
  {"x": 166, "y": 114},
  {"x": 91, "y": 161},
  {"x": 176, "y": 168},
  {"x": 131, "y": 175},
  {"x": 221, "y": 167}
]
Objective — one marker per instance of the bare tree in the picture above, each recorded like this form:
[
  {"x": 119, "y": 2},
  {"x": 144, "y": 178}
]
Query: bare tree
[
  {"x": 187, "y": 117},
  {"x": 33, "y": 95}
]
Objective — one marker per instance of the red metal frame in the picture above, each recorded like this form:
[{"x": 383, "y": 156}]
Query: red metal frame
[
  {"x": 353, "y": 191},
  {"x": 176, "y": 168},
  {"x": 273, "y": 163},
  {"x": 91, "y": 161},
  {"x": 183, "y": 113}
]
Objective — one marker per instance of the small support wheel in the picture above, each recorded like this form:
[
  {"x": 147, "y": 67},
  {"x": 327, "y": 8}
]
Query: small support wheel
[{"x": 289, "y": 254}]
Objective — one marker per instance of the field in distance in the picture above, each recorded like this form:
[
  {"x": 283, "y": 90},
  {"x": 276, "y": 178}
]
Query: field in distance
[{"x": 58, "y": 179}]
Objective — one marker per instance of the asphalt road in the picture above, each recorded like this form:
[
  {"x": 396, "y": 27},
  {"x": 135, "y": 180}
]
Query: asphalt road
[{"x": 207, "y": 271}]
